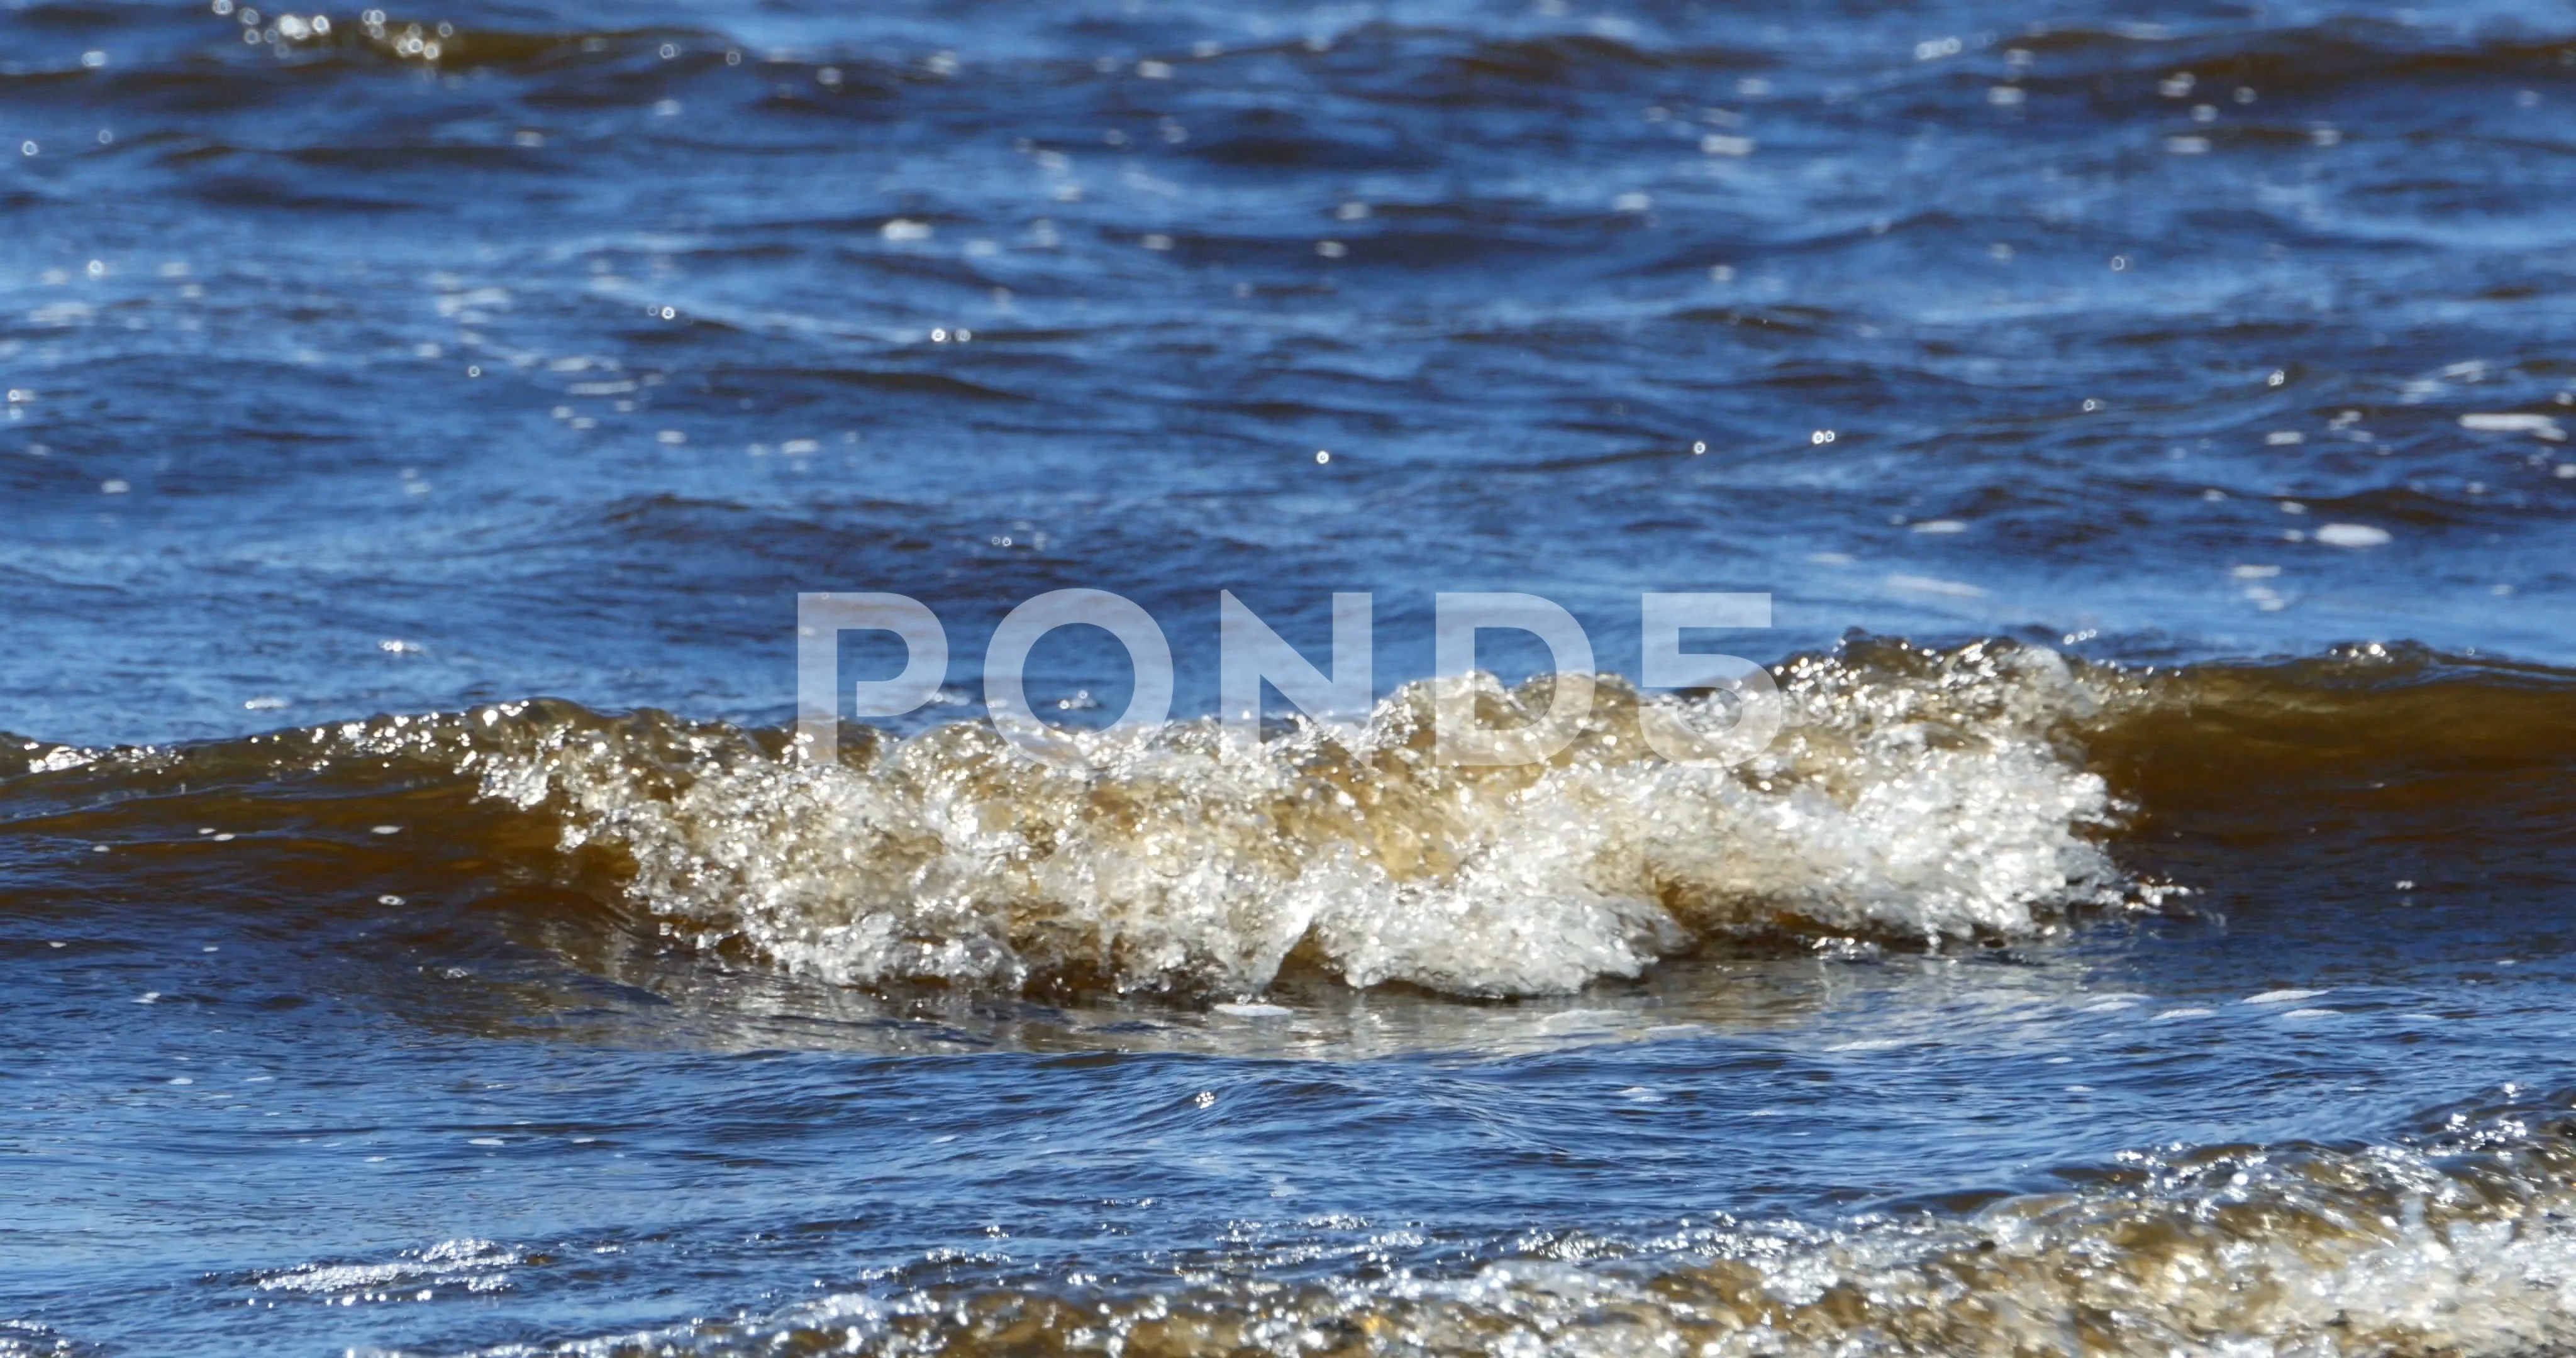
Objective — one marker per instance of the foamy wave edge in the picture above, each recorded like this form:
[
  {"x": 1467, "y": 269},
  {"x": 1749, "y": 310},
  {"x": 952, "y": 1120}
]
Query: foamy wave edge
[
  {"x": 2456, "y": 1241},
  {"x": 1920, "y": 796}
]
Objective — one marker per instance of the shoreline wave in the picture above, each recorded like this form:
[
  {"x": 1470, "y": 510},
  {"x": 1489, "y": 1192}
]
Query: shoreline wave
[{"x": 2453, "y": 1239}]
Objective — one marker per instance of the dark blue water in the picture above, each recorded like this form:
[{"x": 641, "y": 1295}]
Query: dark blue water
[{"x": 2166, "y": 948}]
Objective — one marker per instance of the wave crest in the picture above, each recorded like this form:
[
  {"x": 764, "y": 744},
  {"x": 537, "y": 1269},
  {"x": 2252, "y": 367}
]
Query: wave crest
[
  {"x": 1915, "y": 795},
  {"x": 2453, "y": 1243}
]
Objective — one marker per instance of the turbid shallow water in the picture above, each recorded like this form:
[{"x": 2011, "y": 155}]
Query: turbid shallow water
[{"x": 2150, "y": 935}]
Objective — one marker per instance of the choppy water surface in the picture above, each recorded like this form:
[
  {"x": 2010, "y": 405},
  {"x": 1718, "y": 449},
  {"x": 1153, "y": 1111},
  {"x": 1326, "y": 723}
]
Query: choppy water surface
[{"x": 419, "y": 423}]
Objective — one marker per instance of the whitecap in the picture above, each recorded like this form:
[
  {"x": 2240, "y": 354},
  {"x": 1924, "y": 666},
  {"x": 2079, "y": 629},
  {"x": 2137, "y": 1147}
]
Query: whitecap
[{"x": 1180, "y": 862}]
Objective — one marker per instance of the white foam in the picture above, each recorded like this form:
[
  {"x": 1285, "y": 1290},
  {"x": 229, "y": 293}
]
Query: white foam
[
  {"x": 2510, "y": 423},
  {"x": 478, "y": 1264},
  {"x": 1932, "y": 801},
  {"x": 2352, "y": 535}
]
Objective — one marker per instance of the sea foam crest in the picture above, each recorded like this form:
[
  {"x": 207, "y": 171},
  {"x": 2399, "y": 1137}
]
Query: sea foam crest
[
  {"x": 1913, "y": 795},
  {"x": 2453, "y": 1244}
]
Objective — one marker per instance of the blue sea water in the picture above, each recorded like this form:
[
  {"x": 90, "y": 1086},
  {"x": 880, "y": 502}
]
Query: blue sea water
[{"x": 2149, "y": 935}]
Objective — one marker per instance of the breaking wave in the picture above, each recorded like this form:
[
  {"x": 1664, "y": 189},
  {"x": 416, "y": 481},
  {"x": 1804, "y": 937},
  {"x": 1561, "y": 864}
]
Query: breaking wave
[
  {"x": 1915, "y": 798},
  {"x": 1941, "y": 805}
]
